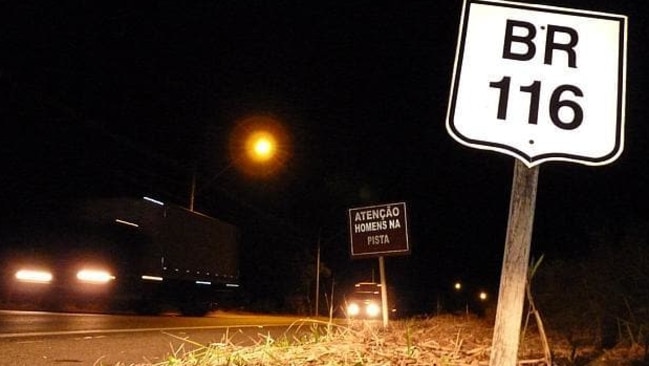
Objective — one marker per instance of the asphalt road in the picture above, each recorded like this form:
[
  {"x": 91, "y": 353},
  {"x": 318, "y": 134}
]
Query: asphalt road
[{"x": 42, "y": 338}]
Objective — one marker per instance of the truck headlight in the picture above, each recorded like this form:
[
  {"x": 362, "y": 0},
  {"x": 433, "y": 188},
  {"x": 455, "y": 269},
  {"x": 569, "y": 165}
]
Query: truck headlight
[
  {"x": 34, "y": 276},
  {"x": 353, "y": 309},
  {"x": 372, "y": 310},
  {"x": 94, "y": 276}
]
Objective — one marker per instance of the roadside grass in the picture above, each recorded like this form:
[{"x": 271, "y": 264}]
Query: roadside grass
[{"x": 446, "y": 340}]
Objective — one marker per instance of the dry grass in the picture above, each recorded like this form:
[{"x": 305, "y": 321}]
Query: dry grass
[
  {"x": 446, "y": 340},
  {"x": 437, "y": 341}
]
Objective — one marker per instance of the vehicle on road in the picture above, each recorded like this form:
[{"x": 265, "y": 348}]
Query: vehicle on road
[
  {"x": 118, "y": 253},
  {"x": 365, "y": 301}
]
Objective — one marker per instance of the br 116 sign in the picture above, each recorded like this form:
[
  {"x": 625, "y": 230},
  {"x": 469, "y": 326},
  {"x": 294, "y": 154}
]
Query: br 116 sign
[{"x": 539, "y": 83}]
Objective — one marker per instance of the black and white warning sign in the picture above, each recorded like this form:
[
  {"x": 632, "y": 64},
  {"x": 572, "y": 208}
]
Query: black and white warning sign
[
  {"x": 539, "y": 83},
  {"x": 379, "y": 230}
]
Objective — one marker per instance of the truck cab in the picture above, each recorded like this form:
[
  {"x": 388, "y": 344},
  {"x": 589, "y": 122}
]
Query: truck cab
[{"x": 365, "y": 301}]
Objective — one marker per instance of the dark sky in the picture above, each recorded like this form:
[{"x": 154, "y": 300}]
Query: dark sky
[{"x": 111, "y": 98}]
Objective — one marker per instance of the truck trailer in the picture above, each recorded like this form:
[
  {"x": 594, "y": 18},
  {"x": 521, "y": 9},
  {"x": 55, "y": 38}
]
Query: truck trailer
[{"x": 118, "y": 254}]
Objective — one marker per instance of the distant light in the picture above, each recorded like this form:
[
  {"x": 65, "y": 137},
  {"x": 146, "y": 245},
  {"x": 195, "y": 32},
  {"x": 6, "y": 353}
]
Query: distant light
[
  {"x": 34, "y": 276},
  {"x": 483, "y": 296},
  {"x": 231, "y": 285},
  {"x": 153, "y": 200},
  {"x": 124, "y": 222},
  {"x": 203, "y": 282},
  {"x": 151, "y": 278},
  {"x": 94, "y": 276},
  {"x": 458, "y": 286}
]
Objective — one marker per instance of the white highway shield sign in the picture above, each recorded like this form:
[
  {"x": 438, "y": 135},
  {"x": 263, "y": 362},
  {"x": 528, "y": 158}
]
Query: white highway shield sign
[{"x": 539, "y": 83}]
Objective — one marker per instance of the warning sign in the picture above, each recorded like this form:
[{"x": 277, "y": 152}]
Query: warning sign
[{"x": 379, "y": 230}]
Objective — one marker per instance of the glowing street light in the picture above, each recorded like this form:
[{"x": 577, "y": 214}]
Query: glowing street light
[
  {"x": 261, "y": 146},
  {"x": 258, "y": 146}
]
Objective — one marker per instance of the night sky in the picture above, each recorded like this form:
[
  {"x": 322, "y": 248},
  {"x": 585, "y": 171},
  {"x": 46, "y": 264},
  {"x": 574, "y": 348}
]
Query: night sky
[{"x": 108, "y": 98}]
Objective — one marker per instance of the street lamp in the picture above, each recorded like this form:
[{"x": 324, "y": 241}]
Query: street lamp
[
  {"x": 258, "y": 147},
  {"x": 261, "y": 146},
  {"x": 463, "y": 296}
]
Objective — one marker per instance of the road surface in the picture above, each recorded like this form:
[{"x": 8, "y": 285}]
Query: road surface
[{"x": 42, "y": 338}]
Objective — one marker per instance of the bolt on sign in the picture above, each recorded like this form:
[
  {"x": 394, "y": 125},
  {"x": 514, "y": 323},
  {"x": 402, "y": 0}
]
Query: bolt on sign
[
  {"x": 379, "y": 230},
  {"x": 539, "y": 83}
]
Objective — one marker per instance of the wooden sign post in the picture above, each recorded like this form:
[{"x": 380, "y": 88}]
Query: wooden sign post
[
  {"x": 511, "y": 295},
  {"x": 384, "y": 293}
]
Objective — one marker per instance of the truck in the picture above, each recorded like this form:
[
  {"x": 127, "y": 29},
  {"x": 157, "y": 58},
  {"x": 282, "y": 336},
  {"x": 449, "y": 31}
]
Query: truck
[
  {"x": 118, "y": 254},
  {"x": 364, "y": 302}
]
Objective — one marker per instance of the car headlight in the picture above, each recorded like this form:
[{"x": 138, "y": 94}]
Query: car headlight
[
  {"x": 34, "y": 276},
  {"x": 372, "y": 310},
  {"x": 94, "y": 276}
]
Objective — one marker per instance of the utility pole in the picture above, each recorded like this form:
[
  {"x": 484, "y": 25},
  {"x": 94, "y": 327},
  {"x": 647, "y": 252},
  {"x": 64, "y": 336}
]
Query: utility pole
[
  {"x": 317, "y": 279},
  {"x": 192, "y": 192}
]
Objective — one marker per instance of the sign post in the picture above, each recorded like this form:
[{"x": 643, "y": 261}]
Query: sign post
[
  {"x": 384, "y": 292},
  {"x": 376, "y": 231},
  {"x": 539, "y": 83},
  {"x": 513, "y": 277}
]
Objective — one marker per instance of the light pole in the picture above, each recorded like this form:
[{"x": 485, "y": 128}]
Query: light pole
[
  {"x": 260, "y": 147},
  {"x": 317, "y": 280},
  {"x": 463, "y": 296},
  {"x": 193, "y": 191}
]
